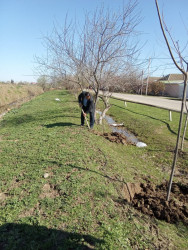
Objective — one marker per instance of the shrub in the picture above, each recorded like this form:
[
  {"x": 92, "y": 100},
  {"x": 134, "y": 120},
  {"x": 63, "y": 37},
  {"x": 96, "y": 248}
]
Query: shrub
[{"x": 156, "y": 88}]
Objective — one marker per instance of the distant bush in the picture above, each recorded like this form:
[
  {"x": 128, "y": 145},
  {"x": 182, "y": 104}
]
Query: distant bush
[{"x": 156, "y": 88}]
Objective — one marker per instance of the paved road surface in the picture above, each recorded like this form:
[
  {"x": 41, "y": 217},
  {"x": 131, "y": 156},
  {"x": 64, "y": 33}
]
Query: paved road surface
[{"x": 160, "y": 102}]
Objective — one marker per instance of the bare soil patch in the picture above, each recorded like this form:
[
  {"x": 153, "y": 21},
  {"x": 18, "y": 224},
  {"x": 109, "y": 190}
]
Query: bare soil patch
[
  {"x": 2, "y": 197},
  {"x": 114, "y": 137},
  {"x": 150, "y": 199},
  {"x": 27, "y": 213},
  {"x": 49, "y": 191}
]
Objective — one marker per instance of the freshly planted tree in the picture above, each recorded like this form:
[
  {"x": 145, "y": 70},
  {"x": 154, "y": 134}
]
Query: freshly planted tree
[{"x": 185, "y": 73}]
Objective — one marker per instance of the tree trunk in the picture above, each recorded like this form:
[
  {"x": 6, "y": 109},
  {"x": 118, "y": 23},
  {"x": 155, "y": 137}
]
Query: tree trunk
[
  {"x": 186, "y": 119},
  {"x": 178, "y": 140},
  {"x": 105, "y": 100},
  {"x": 103, "y": 115},
  {"x": 184, "y": 132},
  {"x": 96, "y": 102}
]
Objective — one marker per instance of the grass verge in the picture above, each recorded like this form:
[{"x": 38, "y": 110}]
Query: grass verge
[
  {"x": 152, "y": 126},
  {"x": 80, "y": 204}
]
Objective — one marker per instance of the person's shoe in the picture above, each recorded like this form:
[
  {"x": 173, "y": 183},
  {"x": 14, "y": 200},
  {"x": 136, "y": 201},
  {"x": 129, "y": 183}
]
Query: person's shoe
[{"x": 81, "y": 125}]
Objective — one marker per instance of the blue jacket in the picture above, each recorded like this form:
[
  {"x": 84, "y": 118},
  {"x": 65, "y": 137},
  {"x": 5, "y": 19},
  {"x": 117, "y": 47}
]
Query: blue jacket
[{"x": 90, "y": 103}]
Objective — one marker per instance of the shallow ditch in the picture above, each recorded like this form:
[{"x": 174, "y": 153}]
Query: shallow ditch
[
  {"x": 121, "y": 133},
  {"x": 6, "y": 108}
]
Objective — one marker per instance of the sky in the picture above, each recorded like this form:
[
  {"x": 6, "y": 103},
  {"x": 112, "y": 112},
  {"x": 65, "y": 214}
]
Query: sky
[{"x": 23, "y": 23}]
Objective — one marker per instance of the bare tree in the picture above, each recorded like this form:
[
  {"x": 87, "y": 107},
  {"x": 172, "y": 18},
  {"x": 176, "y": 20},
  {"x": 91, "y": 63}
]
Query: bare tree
[
  {"x": 91, "y": 54},
  {"x": 185, "y": 73},
  {"x": 129, "y": 81},
  {"x": 58, "y": 60}
]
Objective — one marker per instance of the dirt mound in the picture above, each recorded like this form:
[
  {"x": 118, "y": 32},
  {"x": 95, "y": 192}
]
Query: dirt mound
[
  {"x": 130, "y": 189},
  {"x": 114, "y": 137},
  {"x": 151, "y": 200}
]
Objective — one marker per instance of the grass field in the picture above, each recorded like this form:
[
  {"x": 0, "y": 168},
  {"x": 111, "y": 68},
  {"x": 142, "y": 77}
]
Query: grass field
[
  {"x": 152, "y": 126},
  {"x": 80, "y": 204}
]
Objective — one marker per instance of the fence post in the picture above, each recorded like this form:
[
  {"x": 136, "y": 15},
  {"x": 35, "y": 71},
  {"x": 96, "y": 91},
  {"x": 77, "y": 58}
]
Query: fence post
[{"x": 170, "y": 115}]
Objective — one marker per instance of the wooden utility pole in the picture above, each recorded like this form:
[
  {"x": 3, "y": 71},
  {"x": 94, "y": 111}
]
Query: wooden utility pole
[{"x": 148, "y": 77}]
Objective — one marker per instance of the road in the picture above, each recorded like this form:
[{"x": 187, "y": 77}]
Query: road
[{"x": 160, "y": 102}]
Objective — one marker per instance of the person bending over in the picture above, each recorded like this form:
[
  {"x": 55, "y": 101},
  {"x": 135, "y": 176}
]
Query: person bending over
[{"x": 87, "y": 104}]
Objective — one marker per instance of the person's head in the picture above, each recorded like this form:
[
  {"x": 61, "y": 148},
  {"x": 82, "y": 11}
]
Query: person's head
[{"x": 87, "y": 95}]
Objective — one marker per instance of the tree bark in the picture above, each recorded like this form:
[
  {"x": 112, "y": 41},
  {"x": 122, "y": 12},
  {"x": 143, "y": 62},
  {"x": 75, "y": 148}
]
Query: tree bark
[
  {"x": 178, "y": 140},
  {"x": 105, "y": 100},
  {"x": 184, "y": 131},
  {"x": 103, "y": 114}
]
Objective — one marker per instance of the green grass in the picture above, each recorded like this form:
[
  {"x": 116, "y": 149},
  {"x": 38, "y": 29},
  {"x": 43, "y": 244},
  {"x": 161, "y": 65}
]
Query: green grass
[
  {"x": 80, "y": 205},
  {"x": 152, "y": 126}
]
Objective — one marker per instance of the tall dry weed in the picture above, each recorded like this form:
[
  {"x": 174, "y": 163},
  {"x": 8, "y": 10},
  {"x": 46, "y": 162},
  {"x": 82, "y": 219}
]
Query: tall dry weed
[{"x": 12, "y": 92}]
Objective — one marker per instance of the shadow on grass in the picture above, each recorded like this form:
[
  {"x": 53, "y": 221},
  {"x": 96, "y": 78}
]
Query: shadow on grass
[
  {"x": 166, "y": 123},
  {"x": 26, "y": 118},
  {"x": 63, "y": 93},
  {"x": 175, "y": 98},
  {"x": 23, "y": 236},
  {"x": 72, "y": 101},
  {"x": 60, "y": 124}
]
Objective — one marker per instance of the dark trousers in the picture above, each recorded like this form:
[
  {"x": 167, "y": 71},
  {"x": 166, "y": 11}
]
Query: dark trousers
[{"x": 91, "y": 116}]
